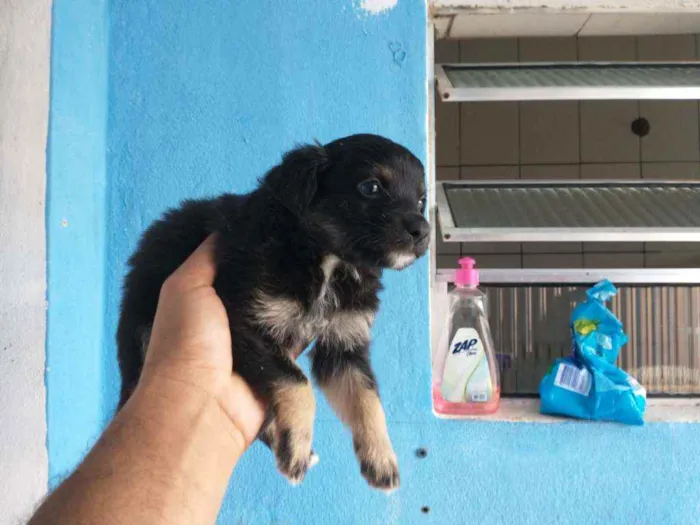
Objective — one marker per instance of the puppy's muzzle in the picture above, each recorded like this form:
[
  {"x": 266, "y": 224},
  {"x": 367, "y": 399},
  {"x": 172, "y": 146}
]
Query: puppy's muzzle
[{"x": 419, "y": 230}]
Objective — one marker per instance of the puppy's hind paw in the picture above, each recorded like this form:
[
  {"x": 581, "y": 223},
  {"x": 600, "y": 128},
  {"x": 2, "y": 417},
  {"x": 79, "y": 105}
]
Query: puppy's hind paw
[
  {"x": 379, "y": 467},
  {"x": 294, "y": 455}
]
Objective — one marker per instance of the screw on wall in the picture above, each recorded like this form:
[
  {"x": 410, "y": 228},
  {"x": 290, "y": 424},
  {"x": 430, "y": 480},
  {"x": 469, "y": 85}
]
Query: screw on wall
[
  {"x": 641, "y": 127},
  {"x": 425, "y": 509},
  {"x": 421, "y": 452}
]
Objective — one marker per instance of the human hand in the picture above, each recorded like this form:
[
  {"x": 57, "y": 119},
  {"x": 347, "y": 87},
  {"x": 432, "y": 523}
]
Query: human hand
[{"x": 190, "y": 346}]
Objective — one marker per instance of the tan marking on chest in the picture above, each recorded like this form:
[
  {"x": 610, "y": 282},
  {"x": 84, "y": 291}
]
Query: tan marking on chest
[
  {"x": 287, "y": 321},
  {"x": 348, "y": 329}
]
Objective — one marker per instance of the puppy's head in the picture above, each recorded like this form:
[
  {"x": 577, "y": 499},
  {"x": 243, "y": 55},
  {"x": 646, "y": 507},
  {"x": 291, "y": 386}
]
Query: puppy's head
[{"x": 365, "y": 193}]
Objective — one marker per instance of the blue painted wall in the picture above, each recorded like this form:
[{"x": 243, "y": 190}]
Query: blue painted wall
[
  {"x": 156, "y": 101},
  {"x": 76, "y": 230}
]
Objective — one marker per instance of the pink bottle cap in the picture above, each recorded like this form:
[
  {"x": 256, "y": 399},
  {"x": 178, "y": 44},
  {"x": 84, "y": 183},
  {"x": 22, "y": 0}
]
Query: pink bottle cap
[{"x": 468, "y": 275}]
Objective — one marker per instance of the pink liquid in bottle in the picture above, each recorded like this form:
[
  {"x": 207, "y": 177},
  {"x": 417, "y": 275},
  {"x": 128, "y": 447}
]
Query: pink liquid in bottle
[{"x": 465, "y": 370}]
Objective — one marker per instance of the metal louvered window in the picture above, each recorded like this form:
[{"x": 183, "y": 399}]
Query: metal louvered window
[
  {"x": 568, "y": 81},
  {"x": 639, "y": 211},
  {"x": 660, "y": 308},
  {"x": 530, "y": 308}
]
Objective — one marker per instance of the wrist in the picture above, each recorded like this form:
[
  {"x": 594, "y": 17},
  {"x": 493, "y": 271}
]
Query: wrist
[
  {"x": 187, "y": 443},
  {"x": 186, "y": 410}
]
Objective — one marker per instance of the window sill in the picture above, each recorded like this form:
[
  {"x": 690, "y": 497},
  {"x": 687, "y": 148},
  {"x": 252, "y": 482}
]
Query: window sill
[{"x": 665, "y": 410}]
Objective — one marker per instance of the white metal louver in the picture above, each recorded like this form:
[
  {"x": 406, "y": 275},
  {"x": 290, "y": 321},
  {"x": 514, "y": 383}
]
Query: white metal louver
[
  {"x": 572, "y": 211},
  {"x": 568, "y": 81}
]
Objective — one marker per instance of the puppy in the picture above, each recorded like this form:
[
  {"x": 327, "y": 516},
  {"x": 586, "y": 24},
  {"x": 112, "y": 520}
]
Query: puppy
[{"x": 298, "y": 260}]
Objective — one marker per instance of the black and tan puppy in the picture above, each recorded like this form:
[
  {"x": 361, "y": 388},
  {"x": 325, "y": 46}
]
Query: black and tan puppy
[{"x": 299, "y": 260}]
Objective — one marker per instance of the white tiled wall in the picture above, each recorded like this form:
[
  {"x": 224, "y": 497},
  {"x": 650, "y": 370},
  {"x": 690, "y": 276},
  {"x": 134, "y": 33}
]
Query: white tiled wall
[{"x": 568, "y": 140}]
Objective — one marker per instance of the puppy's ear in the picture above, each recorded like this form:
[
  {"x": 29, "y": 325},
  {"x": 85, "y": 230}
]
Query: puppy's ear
[{"x": 295, "y": 181}]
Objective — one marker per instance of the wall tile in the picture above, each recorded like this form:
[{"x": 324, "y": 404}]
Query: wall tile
[
  {"x": 627, "y": 171},
  {"x": 477, "y": 248},
  {"x": 665, "y": 247},
  {"x": 552, "y": 247},
  {"x": 553, "y": 260},
  {"x": 674, "y": 131},
  {"x": 550, "y": 171},
  {"x": 488, "y": 50},
  {"x": 447, "y": 173},
  {"x": 446, "y": 51},
  {"x": 613, "y": 260},
  {"x": 666, "y": 47},
  {"x": 547, "y": 49},
  {"x": 446, "y": 261},
  {"x": 490, "y": 173},
  {"x": 671, "y": 171},
  {"x": 482, "y": 261},
  {"x": 613, "y": 247},
  {"x": 549, "y": 132},
  {"x": 673, "y": 260},
  {"x": 498, "y": 261},
  {"x": 606, "y": 135},
  {"x": 489, "y": 133},
  {"x": 613, "y": 48}
]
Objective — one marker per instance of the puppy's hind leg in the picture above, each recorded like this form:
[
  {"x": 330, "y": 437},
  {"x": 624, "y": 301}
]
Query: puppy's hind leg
[{"x": 268, "y": 436}]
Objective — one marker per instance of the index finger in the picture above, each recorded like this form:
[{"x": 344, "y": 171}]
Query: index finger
[{"x": 200, "y": 268}]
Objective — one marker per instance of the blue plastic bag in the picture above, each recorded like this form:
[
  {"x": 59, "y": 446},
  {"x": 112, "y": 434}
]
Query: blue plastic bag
[{"x": 588, "y": 385}]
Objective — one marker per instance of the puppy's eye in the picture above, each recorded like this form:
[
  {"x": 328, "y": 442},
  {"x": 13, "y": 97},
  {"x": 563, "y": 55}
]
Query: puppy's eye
[
  {"x": 421, "y": 204},
  {"x": 370, "y": 188}
]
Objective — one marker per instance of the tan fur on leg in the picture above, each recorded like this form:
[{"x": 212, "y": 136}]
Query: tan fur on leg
[
  {"x": 294, "y": 406},
  {"x": 358, "y": 406}
]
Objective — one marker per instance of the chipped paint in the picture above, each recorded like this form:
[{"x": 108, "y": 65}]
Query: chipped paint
[{"x": 376, "y": 7}]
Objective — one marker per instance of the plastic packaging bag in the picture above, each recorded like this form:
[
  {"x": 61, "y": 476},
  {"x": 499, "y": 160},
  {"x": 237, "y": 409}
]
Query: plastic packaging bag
[{"x": 588, "y": 385}]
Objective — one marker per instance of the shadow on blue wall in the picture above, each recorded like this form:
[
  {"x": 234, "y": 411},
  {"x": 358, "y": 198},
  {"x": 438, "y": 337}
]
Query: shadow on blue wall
[{"x": 200, "y": 97}]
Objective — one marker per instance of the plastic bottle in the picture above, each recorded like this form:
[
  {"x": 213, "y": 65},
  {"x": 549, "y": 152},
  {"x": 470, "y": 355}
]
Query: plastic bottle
[{"x": 465, "y": 370}]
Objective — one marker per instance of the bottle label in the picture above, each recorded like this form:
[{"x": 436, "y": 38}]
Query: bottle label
[
  {"x": 573, "y": 379},
  {"x": 466, "y": 378}
]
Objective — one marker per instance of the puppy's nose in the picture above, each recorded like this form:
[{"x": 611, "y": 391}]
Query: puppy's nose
[{"x": 416, "y": 226}]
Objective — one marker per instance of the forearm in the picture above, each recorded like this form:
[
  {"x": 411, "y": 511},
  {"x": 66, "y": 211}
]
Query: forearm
[{"x": 166, "y": 458}]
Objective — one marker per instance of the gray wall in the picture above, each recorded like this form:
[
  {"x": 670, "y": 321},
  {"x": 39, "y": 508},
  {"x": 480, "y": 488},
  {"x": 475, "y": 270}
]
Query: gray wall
[{"x": 24, "y": 94}]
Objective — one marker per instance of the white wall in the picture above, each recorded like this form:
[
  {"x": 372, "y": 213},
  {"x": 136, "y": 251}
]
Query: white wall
[
  {"x": 461, "y": 19},
  {"x": 24, "y": 102},
  {"x": 605, "y": 5}
]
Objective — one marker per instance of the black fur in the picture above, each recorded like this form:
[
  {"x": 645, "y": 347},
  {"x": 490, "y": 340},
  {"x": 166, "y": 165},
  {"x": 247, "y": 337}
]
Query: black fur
[{"x": 274, "y": 241}]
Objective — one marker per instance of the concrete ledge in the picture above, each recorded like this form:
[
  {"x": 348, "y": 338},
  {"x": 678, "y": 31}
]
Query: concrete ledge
[{"x": 659, "y": 410}]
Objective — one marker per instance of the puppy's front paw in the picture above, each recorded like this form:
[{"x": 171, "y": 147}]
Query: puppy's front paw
[
  {"x": 378, "y": 464},
  {"x": 293, "y": 428},
  {"x": 294, "y": 454}
]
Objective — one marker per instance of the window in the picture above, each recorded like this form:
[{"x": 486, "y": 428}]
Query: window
[{"x": 533, "y": 283}]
